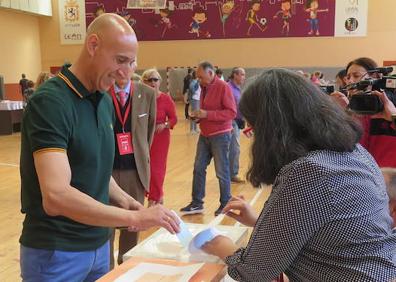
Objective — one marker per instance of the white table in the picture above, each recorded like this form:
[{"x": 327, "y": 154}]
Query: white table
[{"x": 162, "y": 244}]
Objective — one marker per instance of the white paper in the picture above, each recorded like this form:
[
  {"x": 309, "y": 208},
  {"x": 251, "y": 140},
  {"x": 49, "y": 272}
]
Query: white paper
[
  {"x": 185, "y": 236},
  {"x": 152, "y": 271}
]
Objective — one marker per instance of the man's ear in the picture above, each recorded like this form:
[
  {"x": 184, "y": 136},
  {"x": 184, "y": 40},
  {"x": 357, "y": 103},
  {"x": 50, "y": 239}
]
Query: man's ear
[{"x": 92, "y": 44}]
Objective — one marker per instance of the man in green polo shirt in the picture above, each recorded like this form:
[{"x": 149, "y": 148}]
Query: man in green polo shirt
[{"x": 67, "y": 156}]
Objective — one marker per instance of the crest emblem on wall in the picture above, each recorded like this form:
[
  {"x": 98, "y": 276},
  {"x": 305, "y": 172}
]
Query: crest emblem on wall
[{"x": 72, "y": 11}]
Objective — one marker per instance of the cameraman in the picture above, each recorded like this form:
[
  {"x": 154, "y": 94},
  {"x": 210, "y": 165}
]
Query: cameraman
[{"x": 379, "y": 136}]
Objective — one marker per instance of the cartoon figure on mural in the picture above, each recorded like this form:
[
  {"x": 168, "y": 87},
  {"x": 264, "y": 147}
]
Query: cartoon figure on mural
[
  {"x": 312, "y": 7},
  {"x": 253, "y": 20},
  {"x": 285, "y": 12},
  {"x": 238, "y": 12},
  {"x": 225, "y": 11},
  {"x": 199, "y": 18},
  {"x": 99, "y": 10},
  {"x": 165, "y": 21},
  {"x": 124, "y": 13}
]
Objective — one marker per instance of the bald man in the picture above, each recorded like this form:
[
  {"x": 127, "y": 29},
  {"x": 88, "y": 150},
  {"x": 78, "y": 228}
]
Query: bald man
[{"x": 67, "y": 154}]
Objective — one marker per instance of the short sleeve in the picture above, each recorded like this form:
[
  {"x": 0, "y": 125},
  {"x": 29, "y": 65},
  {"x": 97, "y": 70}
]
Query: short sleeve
[{"x": 46, "y": 123}]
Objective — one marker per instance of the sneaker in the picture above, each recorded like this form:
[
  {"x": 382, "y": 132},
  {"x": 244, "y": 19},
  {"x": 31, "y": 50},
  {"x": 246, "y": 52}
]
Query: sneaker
[
  {"x": 192, "y": 209},
  {"x": 219, "y": 210},
  {"x": 237, "y": 179}
]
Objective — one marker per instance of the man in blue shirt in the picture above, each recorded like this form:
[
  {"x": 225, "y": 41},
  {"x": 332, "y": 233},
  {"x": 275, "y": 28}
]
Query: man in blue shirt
[{"x": 237, "y": 78}]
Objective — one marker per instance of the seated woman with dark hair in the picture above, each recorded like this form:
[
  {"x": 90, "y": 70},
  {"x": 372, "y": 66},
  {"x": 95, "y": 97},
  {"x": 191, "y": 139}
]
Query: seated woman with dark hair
[{"x": 327, "y": 217}]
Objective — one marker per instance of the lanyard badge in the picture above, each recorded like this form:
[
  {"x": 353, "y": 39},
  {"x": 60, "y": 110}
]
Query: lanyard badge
[
  {"x": 124, "y": 142},
  {"x": 124, "y": 139}
]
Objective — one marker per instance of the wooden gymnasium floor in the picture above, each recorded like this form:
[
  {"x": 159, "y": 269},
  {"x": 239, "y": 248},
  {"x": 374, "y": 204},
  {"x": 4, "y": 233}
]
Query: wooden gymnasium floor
[{"x": 177, "y": 190}]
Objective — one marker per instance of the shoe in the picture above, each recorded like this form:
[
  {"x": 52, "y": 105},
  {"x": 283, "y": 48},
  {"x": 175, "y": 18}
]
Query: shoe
[
  {"x": 192, "y": 209},
  {"x": 237, "y": 179},
  {"x": 219, "y": 210}
]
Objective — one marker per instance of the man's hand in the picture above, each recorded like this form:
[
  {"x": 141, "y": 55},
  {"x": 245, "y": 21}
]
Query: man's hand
[
  {"x": 157, "y": 215},
  {"x": 389, "y": 107},
  {"x": 246, "y": 215},
  {"x": 220, "y": 246},
  {"x": 199, "y": 114}
]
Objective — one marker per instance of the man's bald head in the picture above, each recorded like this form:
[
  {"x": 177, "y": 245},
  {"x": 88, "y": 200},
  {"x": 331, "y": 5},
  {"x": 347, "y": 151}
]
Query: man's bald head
[
  {"x": 109, "y": 52},
  {"x": 109, "y": 22}
]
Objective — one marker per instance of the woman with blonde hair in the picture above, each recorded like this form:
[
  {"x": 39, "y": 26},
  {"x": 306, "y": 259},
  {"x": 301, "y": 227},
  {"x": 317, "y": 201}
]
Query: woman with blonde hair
[
  {"x": 166, "y": 120},
  {"x": 43, "y": 77}
]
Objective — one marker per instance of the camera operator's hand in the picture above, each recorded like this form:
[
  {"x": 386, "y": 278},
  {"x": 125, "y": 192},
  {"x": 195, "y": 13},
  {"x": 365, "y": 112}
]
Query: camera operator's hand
[
  {"x": 340, "y": 99},
  {"x": 389, "y": 107}
]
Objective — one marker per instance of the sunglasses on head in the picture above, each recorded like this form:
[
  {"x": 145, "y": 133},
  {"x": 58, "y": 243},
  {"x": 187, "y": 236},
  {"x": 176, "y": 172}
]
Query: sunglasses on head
[{"x": 152, "y": 79}]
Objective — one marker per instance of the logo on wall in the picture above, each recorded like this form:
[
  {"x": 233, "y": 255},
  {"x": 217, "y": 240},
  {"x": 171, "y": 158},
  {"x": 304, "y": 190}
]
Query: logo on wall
[
  {"x": 72, "y": 11},
  {"x": 72, "y": 21}
]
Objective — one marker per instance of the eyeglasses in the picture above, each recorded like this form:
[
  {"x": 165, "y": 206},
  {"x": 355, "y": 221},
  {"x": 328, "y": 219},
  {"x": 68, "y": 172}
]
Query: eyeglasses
[{"x": 152, "y": 79}]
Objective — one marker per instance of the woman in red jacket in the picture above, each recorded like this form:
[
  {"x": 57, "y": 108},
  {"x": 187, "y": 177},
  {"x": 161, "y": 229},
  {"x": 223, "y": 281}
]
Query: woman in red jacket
[{"x": 166, "y": 120}]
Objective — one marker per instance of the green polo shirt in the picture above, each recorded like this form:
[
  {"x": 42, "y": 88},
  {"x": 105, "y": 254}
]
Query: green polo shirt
[{"x": 63, "y": 116}]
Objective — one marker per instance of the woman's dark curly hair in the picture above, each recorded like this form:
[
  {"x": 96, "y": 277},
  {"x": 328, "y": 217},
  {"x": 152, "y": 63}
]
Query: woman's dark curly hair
[{"x": 290, "y": 117}]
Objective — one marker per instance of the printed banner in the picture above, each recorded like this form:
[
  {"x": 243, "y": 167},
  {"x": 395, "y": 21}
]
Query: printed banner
[
  {"x": 218, "y": 19},
  {"x": 351, "y": 18},
  {"x": 72, "y": 21}
]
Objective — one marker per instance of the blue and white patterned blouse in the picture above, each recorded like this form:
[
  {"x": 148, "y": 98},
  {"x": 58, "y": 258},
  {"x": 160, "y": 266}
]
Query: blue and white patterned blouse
[{"x": 327, "y": 219}]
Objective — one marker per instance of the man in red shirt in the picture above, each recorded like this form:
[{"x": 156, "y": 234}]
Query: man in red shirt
[{"x": 217, "y": 111}]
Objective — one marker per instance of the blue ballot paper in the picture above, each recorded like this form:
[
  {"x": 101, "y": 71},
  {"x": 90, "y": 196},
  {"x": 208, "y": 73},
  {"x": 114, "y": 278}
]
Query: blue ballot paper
[
  {"x": 185, "y": 236},
  {"x": 202, "y": 238}
]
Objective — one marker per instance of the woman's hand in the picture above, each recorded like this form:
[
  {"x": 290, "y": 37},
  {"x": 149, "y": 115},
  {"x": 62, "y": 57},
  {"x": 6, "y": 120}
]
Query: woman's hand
[
  {"x": 220, "y": 246},
  {"x": 389, "y": 107},
  {"x": 159, "y": 127},
  {"x": 245, "y": 215},
  {"x": 154, "y": 216},
  {"x": 340, "y": 99}
]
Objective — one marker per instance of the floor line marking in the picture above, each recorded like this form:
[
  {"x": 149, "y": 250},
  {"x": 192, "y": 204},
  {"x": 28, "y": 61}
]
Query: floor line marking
[{"x": 9, "y": 164}]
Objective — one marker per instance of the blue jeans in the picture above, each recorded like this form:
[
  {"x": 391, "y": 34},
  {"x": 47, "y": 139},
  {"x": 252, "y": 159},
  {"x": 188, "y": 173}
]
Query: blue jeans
[
  {"x": 194, "y": 104},
  {"x": 314, "y": 23},
  {"x": 39, "y": 265},
  {"x": 217, "y": 147},
  {"x": 234, "y": 150}
]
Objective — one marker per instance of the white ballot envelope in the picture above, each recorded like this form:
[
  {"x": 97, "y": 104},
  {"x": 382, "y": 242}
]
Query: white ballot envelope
[{"x": 185, "y": 236}]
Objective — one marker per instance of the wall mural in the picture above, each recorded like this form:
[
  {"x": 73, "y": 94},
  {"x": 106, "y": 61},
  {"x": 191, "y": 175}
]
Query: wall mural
[{"x": 219, "y": 19}]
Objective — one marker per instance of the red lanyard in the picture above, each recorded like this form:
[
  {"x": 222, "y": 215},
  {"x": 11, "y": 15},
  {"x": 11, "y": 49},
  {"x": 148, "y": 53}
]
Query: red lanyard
[{"x": 121, "y": 118}]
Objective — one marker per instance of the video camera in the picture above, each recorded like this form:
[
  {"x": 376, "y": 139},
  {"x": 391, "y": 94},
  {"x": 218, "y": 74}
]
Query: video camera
[
  {"x": 327, "y": 89},
  {"x": 364, "y": 102}
]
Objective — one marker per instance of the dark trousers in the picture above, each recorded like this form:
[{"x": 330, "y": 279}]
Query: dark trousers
[
  {"x": 128, "y": 180},
  {"x": 186, "y": 106}
]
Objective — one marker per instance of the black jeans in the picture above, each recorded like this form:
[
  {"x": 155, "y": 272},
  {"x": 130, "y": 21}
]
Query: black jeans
[{"x": 186, "y": 110}]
